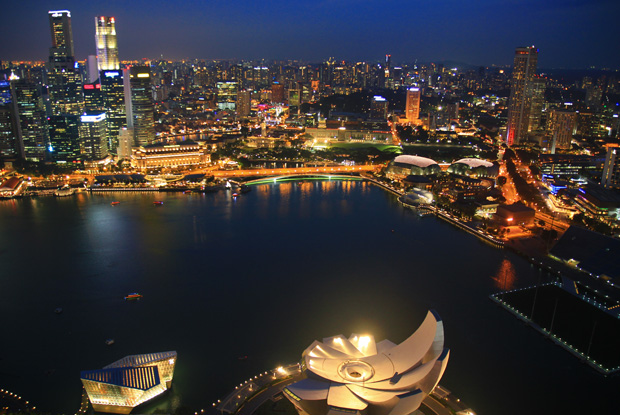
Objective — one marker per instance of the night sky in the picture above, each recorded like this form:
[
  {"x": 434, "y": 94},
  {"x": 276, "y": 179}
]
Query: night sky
[{"x": 569, "y": 33}]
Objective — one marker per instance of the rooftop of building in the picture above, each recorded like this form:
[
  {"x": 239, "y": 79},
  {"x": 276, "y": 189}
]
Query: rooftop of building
[{"x": 516, "y": 208}]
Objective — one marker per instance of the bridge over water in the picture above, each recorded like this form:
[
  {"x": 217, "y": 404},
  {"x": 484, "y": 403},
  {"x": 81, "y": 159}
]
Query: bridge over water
[{"x": 331, "y": 170}]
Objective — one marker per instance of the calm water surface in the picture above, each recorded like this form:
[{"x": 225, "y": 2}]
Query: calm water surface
[{"x": 263, "y": 276}]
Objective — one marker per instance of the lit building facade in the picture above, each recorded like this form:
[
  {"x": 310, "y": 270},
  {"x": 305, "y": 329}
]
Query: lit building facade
[
  {"x": 64, "y": 133},
  {"x": 412, "y": 105},
  {"x": 142, "y": 105},
  {"x": 11, "y": 145},
  {"x": 378, "y": 108},
  {"x": 357, "y": 376},
  {"x": 63, "y": 77},
  {"x": 93, "y": 136},
  {"x": 244, "y": 103},
  {"x": 562, "y": 126},
  {"x": 113, "y": 91},
  {"x": 406, "y": 165},
  {"x": 521, "y": 91},
  {"x": 105, "y": 39},
  {"x": 93, "y": 98},
  {"x": 32, "y": 119},
  {"x": 129, "y": 382},
  {"x": 227, "y": 95},
  {"x": 61, "y": 52},
  {"x": 611, "y": 169},
  {"x": 170, "y": 156}
]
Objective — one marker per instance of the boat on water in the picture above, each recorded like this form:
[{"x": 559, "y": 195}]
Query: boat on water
[
  {"x": 133, "y": 296},
  {"x": 158, "y": 203},
  {"x": 115, "y": 203},
  {"x": 234, "y": 195},
  {"x": 187, "y": 192},
  {"x": 109, "y": 342}
]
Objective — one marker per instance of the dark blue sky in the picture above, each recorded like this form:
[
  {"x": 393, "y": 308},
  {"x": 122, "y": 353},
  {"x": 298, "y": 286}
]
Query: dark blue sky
[{"x": 569, "y": 33}]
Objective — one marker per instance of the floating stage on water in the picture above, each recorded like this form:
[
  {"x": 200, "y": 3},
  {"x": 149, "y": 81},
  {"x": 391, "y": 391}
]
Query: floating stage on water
[{"x": 586, "y": 328}]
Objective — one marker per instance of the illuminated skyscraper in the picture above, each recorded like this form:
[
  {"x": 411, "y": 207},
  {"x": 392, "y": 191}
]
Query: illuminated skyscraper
[
  {"x": 11, "y": 145},
  {"x": 105, "y": 37},
  {"x": 277, "y": 93},
  {"x": 538, "y": 87},
  {"x": 32, "y": 119},
  {"x": 227, "y": 95},
  {"x": 412, "y": 105},
  {"x": 93, "y": 136},
  {"x": 244, "y": 103},
  {"x": 65, "y": 81},
  {"x": 113, "y": 91},
  {"x": 64, "y": 136},
  {"x": 62, "y": 55},
  {"x": 562, "y": 126},
  {"x": 93, "y": 98},
  {"x": 378, "y": 108},
  {"x": 521, "y": 91},
  {"x": 142, "y": 105}
]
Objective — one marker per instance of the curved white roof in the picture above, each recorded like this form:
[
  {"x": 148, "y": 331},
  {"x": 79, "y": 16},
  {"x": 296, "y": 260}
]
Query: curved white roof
[
  {"x": 473, "y": 163},
  {"x": 415, "y": 160},
  {"x": 355, "y": 372}
]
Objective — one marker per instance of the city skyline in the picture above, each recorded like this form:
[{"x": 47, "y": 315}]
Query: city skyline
[{"x": 483, "y": 34}]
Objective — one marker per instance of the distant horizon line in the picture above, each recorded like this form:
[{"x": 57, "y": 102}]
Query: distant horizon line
[{"x": 314, "y": 62}]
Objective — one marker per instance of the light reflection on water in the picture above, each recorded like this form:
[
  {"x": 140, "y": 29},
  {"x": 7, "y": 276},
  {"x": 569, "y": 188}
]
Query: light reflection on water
[
  {"x": 505, "y": 277},
  {"x": 224, "y": 278}
]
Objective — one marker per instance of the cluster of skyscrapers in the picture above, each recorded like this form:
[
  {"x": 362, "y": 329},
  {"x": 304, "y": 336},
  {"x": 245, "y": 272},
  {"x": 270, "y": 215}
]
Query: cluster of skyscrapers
[{"x": 64, "y": 119}]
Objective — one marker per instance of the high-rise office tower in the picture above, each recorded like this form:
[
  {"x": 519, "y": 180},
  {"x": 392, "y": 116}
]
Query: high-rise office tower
[
  {"x": 125, "y": 143},
  {"x": 113, "y": 91},
  {"x": 64, "y": 78},
  {"x": 388, "y": 71},
  {"x": 93, "y": 98},
  {"x": 92, "y": 68},
  {"x": 611, "y": 169},
  {"x": 277, "y": 93},
  {"x": 62, "y": 55},
  {"x": 378, "y": 108},
  {"x": 412, "y": 105},
  {"x": 562, "y": 126},
  {"x": 520, "y": 102},
  {"x": 105, "y": 37},
  {"x": 64, "y": 136},
  {"x": 142, "y": 106},
  {"x": 244, "y": 103},
  {"x": 538, "y": 87},
  {"x": 93, "y": 136},
  {"x": 32, "y": 119},
  {"x": 11, "y": 145},
  {"x": 227, "y": 95}
]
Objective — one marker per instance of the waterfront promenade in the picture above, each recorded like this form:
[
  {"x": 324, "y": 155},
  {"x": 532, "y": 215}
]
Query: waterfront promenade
[{"x": 246, "y": 398}]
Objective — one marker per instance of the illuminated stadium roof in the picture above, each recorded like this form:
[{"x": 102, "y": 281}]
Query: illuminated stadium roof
[
  {"x": 473, "y": 163},
  {"x": 415, "y": 160},
  {"x": 356, "y": 374}
]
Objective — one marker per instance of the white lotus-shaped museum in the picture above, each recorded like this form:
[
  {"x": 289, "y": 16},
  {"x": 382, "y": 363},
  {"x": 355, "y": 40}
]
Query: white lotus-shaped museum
[{"x": 357, "y": 375}]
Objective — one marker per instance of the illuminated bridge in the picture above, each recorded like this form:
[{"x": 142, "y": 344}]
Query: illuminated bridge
[{"x": 296, "y": 171}]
